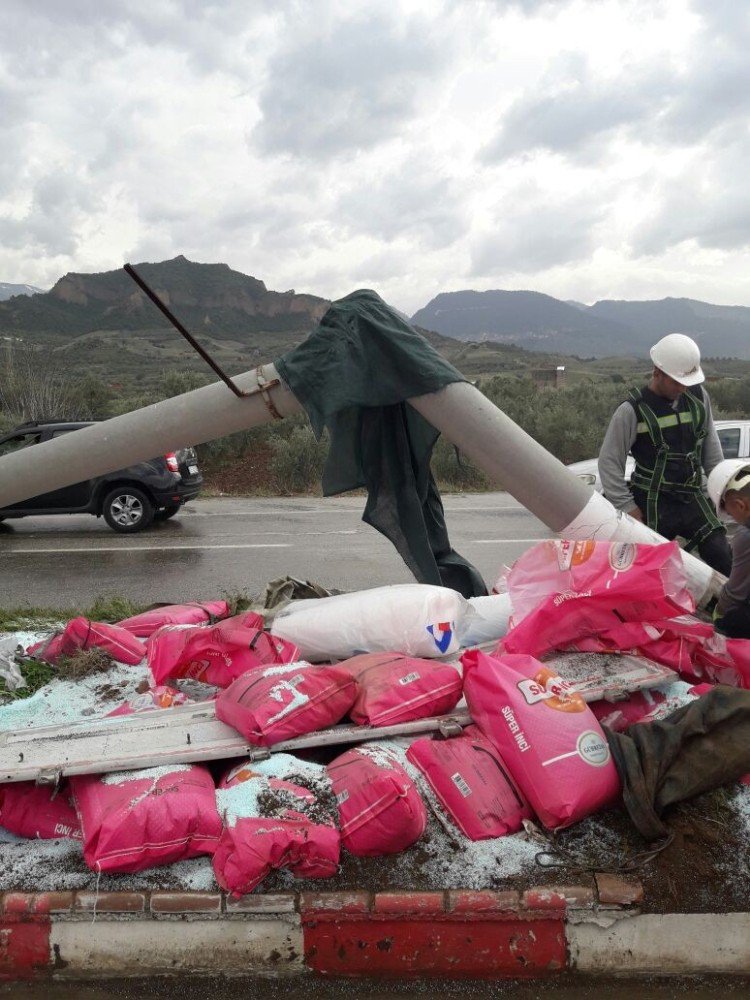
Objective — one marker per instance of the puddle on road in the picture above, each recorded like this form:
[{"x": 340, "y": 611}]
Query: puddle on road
[{"x": 191, "y": 988}]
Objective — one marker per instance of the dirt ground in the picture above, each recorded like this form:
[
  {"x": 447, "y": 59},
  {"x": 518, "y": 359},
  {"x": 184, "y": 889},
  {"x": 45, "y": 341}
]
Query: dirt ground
[
  {"x": 705, "y": 869},
  {"x": 247, "y": 476}
]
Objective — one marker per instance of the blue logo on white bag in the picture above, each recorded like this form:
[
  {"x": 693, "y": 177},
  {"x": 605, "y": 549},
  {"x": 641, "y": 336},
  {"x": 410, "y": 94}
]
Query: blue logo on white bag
[{"x": 442, "y": 635}]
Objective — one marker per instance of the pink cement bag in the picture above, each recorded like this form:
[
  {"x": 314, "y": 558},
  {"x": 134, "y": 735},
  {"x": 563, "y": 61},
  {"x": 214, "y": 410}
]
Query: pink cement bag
[
  {"x": 134, "y": 820},
  {"x": 393, "y": 687},
  {"x": 472, "y": 784},
  {"x": 80, "y": 633},
  {"x": 641, "y": 706},
  {"x": 723, "y": 661},
  {"x": 148, "y": 622},
  {"x": 564, "y": 590},
  {"x": 644, "y": 706},
  {"x": 549, "y": 738},
  {"x": 30, "y": 810},
  {"x": 380, "y": 809},
  {"x": 215, "y": 654},
  {"x": 253, "y": 845},
  {"x": 251, "y": 848},
  {"x": 273, "y": 704}
]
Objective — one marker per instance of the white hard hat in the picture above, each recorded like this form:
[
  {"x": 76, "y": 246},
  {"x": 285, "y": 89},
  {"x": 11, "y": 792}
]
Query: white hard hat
[
  {"x": 731, "y": 474},
  {"x": 680, "y": 358}
]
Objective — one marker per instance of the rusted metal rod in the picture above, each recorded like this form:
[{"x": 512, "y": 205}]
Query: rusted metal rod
[{"x": 163, "y": 308}]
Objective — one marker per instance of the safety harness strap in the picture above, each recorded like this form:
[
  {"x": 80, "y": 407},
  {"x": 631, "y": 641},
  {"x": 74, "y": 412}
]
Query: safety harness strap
[{"x": 653, "y": 481}]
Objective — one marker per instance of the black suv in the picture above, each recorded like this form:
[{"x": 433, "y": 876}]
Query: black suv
[{"x": 129, "y": 499}]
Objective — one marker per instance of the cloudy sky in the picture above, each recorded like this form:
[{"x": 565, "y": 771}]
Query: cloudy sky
[{"x": 585, "y": 149}]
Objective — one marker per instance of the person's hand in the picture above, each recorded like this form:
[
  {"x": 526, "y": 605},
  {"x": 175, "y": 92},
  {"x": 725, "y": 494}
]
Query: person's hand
[{"x": 635, "y": 513}]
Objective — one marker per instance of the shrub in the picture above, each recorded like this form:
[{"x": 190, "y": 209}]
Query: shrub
[
  {"x": 297, "y": 463},
  {"x": 455, "y": 471}
]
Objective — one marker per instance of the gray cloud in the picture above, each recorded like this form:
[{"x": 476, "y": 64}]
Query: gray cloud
[
  {"x": 332, "y": 144},
  {"x": 659, "y": 103},
  {"x": 406, "y": 201},
  {"x": 709, "y": 203},
  {"x": 532, "y": 233},
  {"x": 60, "y": 204},
  {"x": 333, "y": 89},
  {"x": 577, "y": 111},
  {"x": 527, "y": 7}
]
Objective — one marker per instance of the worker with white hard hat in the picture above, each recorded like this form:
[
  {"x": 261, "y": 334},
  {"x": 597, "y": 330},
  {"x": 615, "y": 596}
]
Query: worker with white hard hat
[
  {"x": 668, "y": 428},
  {"x": 729, "y": 490}
]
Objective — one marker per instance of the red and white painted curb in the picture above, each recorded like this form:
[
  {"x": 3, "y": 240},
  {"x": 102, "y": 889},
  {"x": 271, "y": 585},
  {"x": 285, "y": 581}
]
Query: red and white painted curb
[{"x": 594, "y": 929}]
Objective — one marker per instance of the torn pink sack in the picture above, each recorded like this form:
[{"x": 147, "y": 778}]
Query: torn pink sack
[
  {"x": 640, "y": 706},
  {"x": 252, "y": 847},
  {"x": 723, "y": 661},
  {"x": 549, "y": 738},
  {"x": 562, "y": 591},
  {"x": 162, "y": 696},
  {"x": 215, "y": 654},
  {"x": 30, "y": 810},
  {"x": 273, "y": 704},
  {"x": 671, "y": 642},
  {"x": 380, "y": 809},
  {"x": 472, "y": 783},
  {"x": 134, "y": 820},
  {"x": 80, "y": 633},
  {"x": 393, "y": 687},
  {"x": 205, "y": 613}
]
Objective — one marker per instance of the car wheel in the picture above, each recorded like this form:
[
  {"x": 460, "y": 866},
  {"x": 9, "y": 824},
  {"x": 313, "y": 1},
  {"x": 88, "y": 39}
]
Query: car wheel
[
  {"x": 164, "y": 513},
  {"x": 127, "y": 509}
]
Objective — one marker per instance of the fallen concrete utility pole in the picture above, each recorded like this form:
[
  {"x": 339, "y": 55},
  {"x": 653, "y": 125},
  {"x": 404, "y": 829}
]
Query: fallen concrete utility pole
[
  {"x": 180, "y": 422},
  {"x": 520, "y": 465},
  {"x": 507, "y": 454}
]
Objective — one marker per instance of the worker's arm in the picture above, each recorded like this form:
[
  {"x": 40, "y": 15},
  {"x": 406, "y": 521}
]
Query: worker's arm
[
  {"x": 712, "y": 453},
  {"x": 737, "y": 588},
  {"x": 613, "y": 455}
]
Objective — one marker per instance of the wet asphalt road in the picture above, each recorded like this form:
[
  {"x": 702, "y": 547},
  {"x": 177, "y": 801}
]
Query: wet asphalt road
[
  {"x": 238, "y": 544},
  {"x": 562, "y": 988}
]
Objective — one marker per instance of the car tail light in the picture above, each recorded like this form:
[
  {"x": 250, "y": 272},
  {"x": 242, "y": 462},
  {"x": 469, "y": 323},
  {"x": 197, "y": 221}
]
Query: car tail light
[{"x": 172, "y": 464}]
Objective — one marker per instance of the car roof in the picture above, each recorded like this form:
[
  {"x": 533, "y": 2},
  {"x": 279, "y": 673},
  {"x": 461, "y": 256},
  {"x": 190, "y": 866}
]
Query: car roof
[{"x": 40, "y": 425}]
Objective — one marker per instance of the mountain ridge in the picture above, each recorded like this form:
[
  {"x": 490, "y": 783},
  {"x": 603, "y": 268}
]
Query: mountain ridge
[{"x": 609, "y": 327}]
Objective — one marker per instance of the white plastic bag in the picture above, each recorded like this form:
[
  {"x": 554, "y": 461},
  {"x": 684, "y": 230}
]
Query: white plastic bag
[
  {"x": 490, "y": 623},
  {"x": 10, "y": 672},
  {"x": 412, "y": 618}
]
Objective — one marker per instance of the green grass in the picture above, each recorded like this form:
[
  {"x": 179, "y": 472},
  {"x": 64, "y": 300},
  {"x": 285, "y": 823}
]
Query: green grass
[
  {"x": 36, "y": 674},
  {"x": 111, "y": 608}
]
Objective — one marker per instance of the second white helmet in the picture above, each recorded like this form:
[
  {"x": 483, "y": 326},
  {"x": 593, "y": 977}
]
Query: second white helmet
[
  {"x": 732, "y": 473},
  {"x": 679, "y": 357}
]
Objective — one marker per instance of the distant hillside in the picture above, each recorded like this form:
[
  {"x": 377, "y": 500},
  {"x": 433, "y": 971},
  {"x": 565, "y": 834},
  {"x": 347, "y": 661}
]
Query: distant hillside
[
  {"x": 528, "y": 319},
  {"x": 105, "y": 322},
  {"x": 722, "y": 331},
  {"x": 608, "y": 328},
  {"x": 7, "y": 291},
  {"x": 207, "y": 297}
]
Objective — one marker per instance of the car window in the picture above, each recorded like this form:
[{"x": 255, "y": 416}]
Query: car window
[
  {"x": 729, "y": 438},
  {"x": 18, "y": 442}
]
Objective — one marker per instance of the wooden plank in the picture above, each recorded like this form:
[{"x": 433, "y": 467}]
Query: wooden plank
[
  {"x": 183, "y": 735},
  {"x": 192, "y": 733}
]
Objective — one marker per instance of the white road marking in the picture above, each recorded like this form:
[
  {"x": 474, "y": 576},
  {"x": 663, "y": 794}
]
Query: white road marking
[
  {"x": 238, "y": 545},
  {"x": 355, "y": 511},
  {"x": 148, "y": 548}
]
